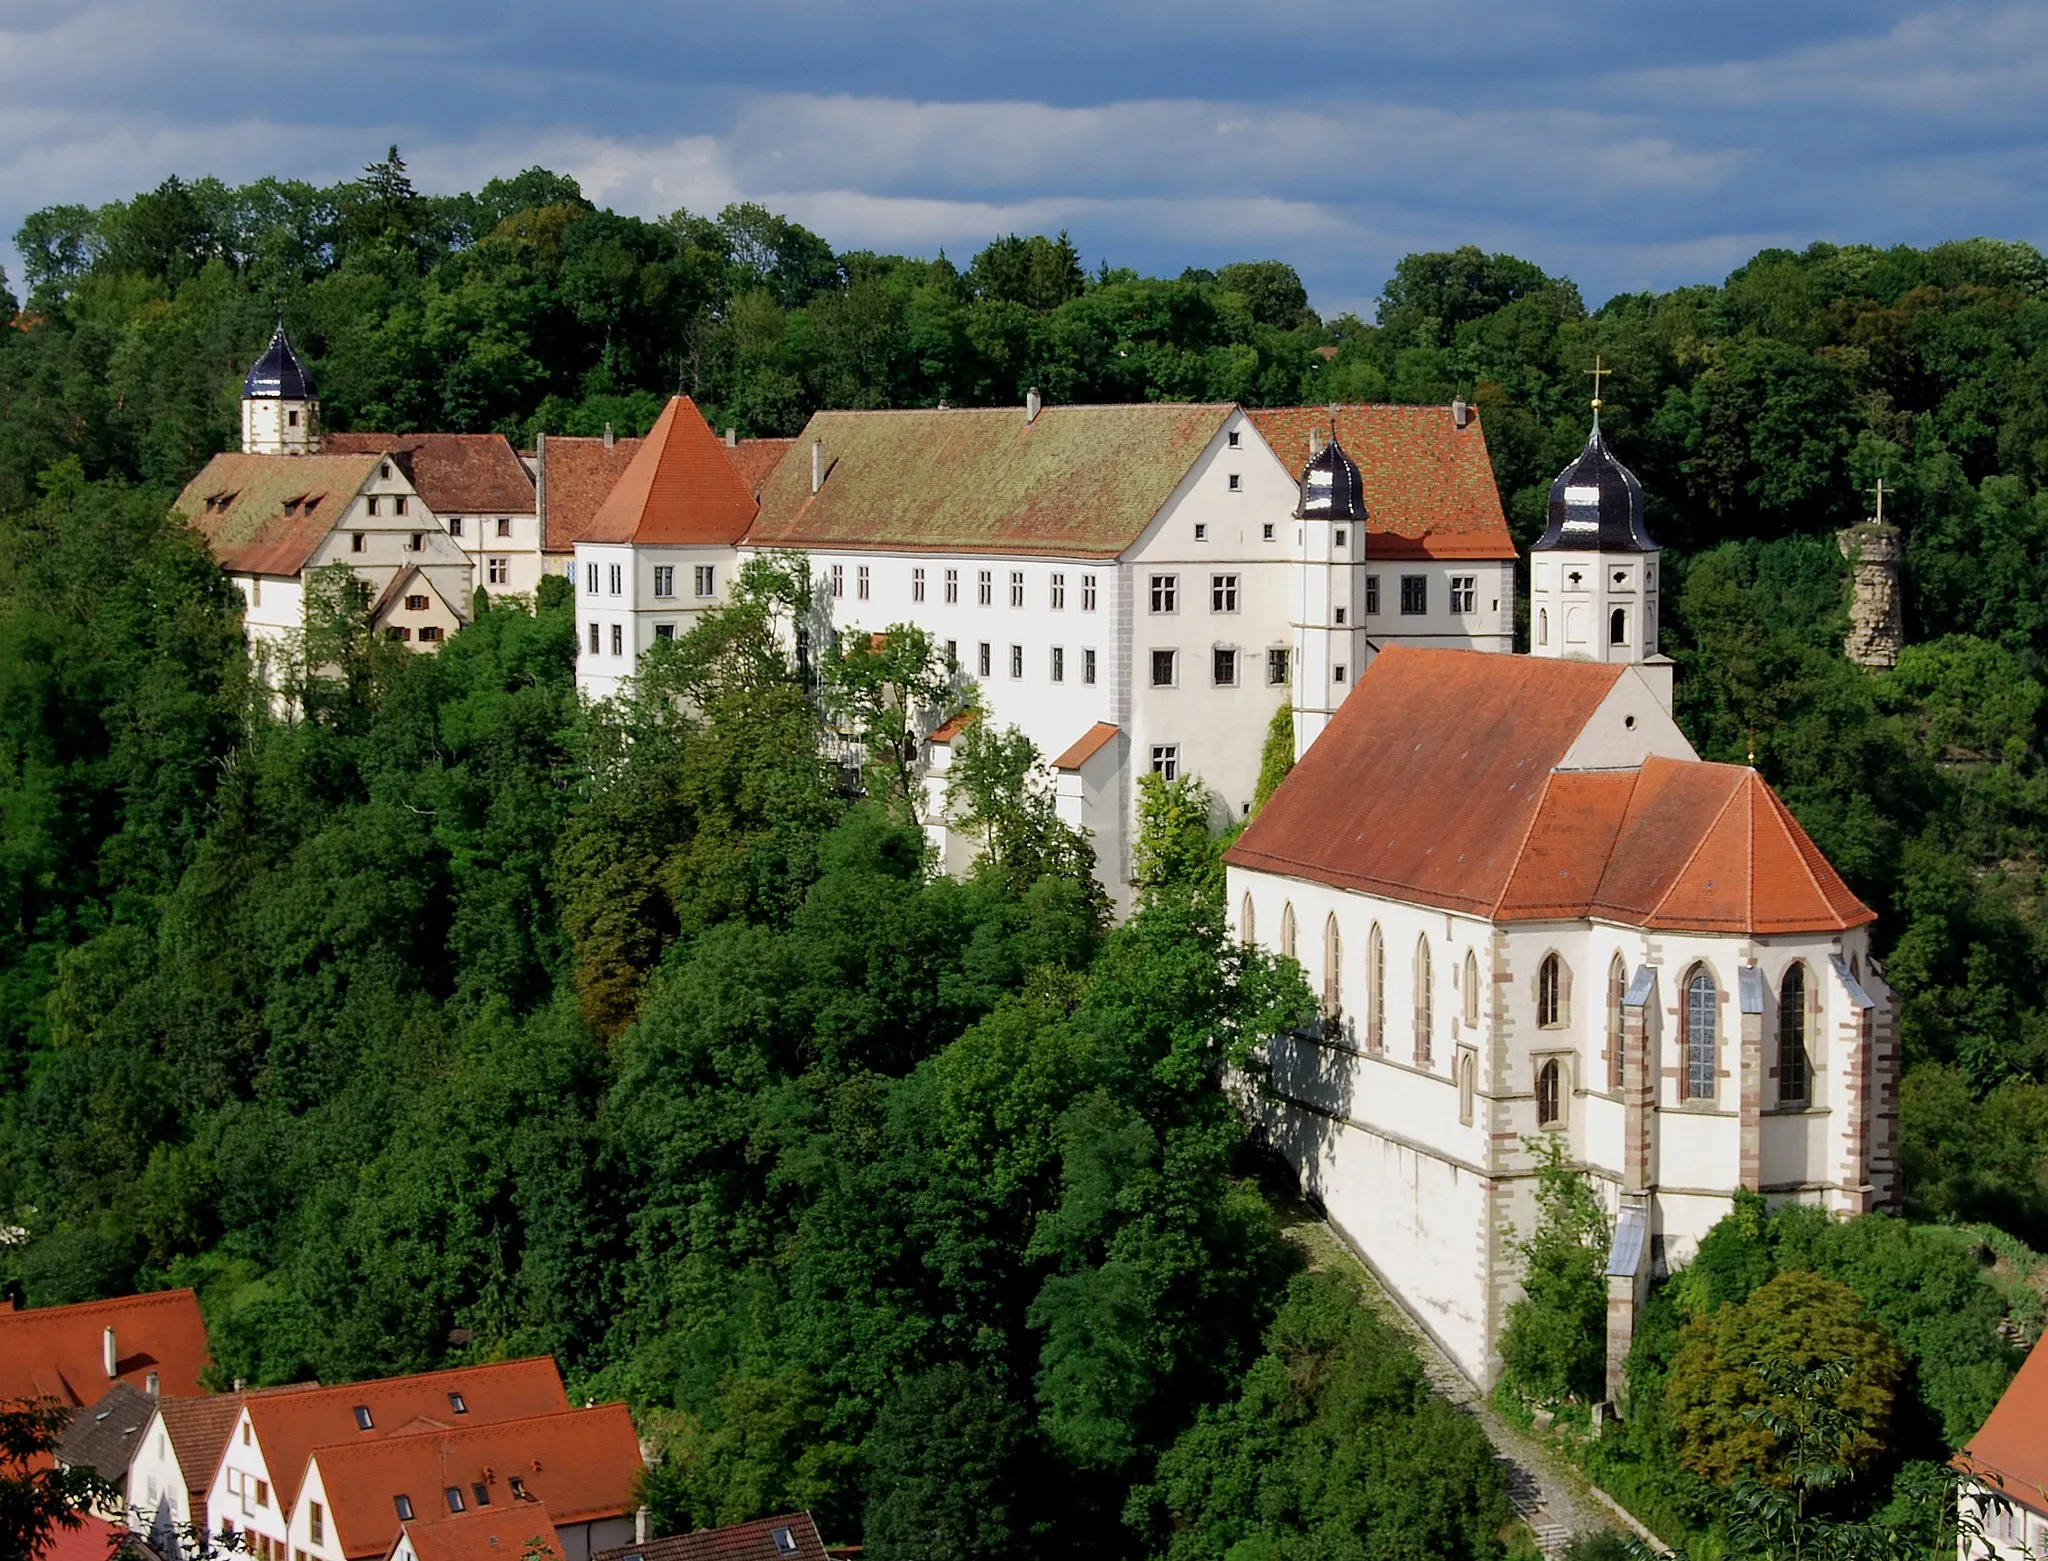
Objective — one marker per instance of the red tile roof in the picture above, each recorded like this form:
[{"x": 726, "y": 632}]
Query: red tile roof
[
  {"x": 755, "y": 459},
  {"x": 291, "y": 1426},
  {"x": 454, "y": 474},
  {"x": 58, "y": 1351},
  {"x": 495, "y": 1533},
  {"x": 950, "y": 728},
  {"x": 1472, "y": 814},
  {"x": 1429, "y": 488},
  {"x": 680, "y": 487},
  {"x": 94, "y": 1539},
  {"x": 2011, "y": 1452},
  {"x": 199, "y": 1429},
  {"x": 581, "y": 1465},
  {"x": 577, "y": 476},
  {"x": 1087, "y": 746},
  {"x": 753, "y": 1541}
]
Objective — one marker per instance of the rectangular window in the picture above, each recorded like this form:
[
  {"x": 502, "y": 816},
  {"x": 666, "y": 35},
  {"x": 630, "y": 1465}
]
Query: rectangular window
[
  {"x": 1016, "y": 588},
  {"x": 952, "y": 655},
  {"x": 262, "y": 1493},
  {"x": 404, "y": 1506},
  {"x": 1414, "y": 594},
  {"x": 398, "y": 505},
  {"x": 454, "y": 1495},
  {"x": 664, "y": 631},
  {"x": 590, "y": 579},
  {"x": 398, "y": 633},
  {"x": 429, "y": 633},
  {"x": 1276, "y": 666},
  {"x": 1232, "y": 438},
  {"x": 1372, "y": 595},
  {"x": 1166, "y": 593},
  {"x": 504, "y": 527},
  {"x": 415, "y": 604},
  {"x": 455, "y": 525},
  {"x": 1059, "y": 663},
  {"x": 1166, "y": 760},
  {"x": 952, "y": 585},
  {"x": 1088, "y": 667},
  {"x": 1266, "y": 532},
  {"x": 255, "y": 593},
  {"x": 917, "y": 585},
  {"x": 1087, "y": 593},
  {"x": 618, "y": 639},
  {"x": 593, "y": 639},
  {"x": 1343, "y": 537},
  {"x": 1339, "y": 672},
  {"x": 985, "y": 588},
  {"x": 1059, "y": 593},
  {"x": 838, "y": 580},
  {"x": 664, "y": 580},
  {"x": 373, "y": 504},
  {"x": 1223, "y": 593},
  {"x": 355, "y": 542},
  {"x": 481, "y": 1492},
  {"x": 413, "y": 546},
  {"x": 1201, "y": 531},
  {"x": 1016, "y": 661},
  {"x": 705, "y": 580},
  {"x": 862, "y": 583},
  {"x": 1163, "y": 668},
  {"x": 984, "y": 658},
  {"x": 618, "y": 579},
  {"x": 1225, "y": 666},
  {"x": 498, "y": 571},
  {"x": 1464, "y": 593},
  {"x": 363, "y": 1421},
  {"x": 1236, "y": 483},
  {"x": 316, "y": 1523}
]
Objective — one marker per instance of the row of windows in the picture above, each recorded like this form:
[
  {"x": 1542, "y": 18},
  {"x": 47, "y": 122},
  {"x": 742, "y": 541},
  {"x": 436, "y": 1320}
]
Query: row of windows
[
  {"x": 358, "y": 542},
  {"x": 984, "y": 586},
  {"x": 704, "y": 580},
  {"x": 1699, "y": 1011},
  {"x": 662, "y": 631},
  {"x": 400, "y": 503},
  {"x": 456, "y": 523},
  {"x": 428, "y": 633},
  {"x": 1617, "y": 626},
  {"x": 1225, "y": 662}
]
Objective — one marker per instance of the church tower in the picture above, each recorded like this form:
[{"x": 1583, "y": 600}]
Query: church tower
[
  {"x": 280, "y": 408},
  {"x": 1329, "y": 597},
  {"x": 1593, "y": 573}
]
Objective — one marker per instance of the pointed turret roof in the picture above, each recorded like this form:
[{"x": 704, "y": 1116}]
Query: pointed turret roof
[
  {"x": 680, "y": 487},
  {"x": 1330, "y": 485},
  {"x": 278, "y": 374},
  {"x": 1596, "y": 505}
]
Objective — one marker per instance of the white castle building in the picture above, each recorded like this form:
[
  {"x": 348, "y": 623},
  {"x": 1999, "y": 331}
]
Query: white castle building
[{"x": 1532, "y": 912}]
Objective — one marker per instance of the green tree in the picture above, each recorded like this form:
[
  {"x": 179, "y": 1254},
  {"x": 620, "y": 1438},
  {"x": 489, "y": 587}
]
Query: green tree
[
  {"x": 37, "y": 1497},
  {"x": 1553, "y": 1341}
]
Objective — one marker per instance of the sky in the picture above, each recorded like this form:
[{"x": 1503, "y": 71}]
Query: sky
[{"x": 1626, "y": 145}]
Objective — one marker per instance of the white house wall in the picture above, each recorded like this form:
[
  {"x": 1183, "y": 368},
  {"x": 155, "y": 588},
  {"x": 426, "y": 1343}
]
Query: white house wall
[
  {"x": 244, "y": 1489},
  {"x": 517, "y": 557},
  {"x": 619, "y": 603},
  {"x": 158, "y": 1500}
]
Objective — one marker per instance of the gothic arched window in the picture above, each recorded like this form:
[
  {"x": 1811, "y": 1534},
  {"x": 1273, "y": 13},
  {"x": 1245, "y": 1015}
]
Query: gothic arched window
[
  {"x": 1468, "y": 1066},
  {"x": 1550, "y": 993},
  {"x": 1543, "y": 626},
  {"x": 1247, "y": 933},
  {"x": 1702, "y": 1039},
  {"x": 1549, "y": 1093},
  {"x": 1617, "y": 1035},
  {"x": 1471, "y": 990},
  {"x": 1425, "y": 1017},
  {"x": 1617, "y": 626},
  {"x": 1795, "y": 1073},
  {"x": 1333, "y": 965},
  {"x": 1287, "y": 929},
  {"x": 1375, "y": 989}
]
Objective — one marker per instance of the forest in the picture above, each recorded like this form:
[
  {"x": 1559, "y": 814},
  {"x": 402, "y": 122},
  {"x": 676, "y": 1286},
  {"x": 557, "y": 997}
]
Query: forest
[{"x": 452, "y": 1016}]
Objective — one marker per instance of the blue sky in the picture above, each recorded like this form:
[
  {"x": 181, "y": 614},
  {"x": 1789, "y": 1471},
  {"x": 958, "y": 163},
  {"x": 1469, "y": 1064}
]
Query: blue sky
[{"x": 1626, "y": 145}]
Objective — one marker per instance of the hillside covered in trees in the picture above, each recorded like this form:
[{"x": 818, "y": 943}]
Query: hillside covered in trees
[{"x": 456, "y": 1018}]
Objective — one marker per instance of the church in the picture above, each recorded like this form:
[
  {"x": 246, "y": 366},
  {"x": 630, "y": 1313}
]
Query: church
[{"x": 1533, "y": 915}]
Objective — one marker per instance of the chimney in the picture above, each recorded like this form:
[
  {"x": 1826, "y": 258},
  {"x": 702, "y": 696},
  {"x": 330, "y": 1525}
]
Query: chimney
[
  {"x": 109, "y": 1356},
  {"x": 732, "y": 438},
  {"x": 610, "y": 438},
  {"x": 1033, "y": 401},
  {"x": 817, "y": 464},
  {"x": 643, "y": 1526},
  {"x": 1461, "y": 412},
  {"x": 152, "y": 1385}
]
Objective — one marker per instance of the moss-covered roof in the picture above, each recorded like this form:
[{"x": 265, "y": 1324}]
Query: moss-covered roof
[
  {"x": 264, "y": 514},
  {"x": 1076, "y": 482}
]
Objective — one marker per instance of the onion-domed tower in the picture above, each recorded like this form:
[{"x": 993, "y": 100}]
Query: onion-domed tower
[
  {"x": 1329, "y": 629},
  {"x": 280, "y": 408},
  {"x": 1593, "y": 573}
]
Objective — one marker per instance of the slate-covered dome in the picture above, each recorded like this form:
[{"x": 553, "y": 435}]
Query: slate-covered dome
[
  {"x": 1596, "y": 506},
  {"x": 279, "y": 375},
  {"x": 1330, "y": 489}
]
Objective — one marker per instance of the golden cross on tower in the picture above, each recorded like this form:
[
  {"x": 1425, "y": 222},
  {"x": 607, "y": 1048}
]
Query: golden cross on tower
[
  {"x": 1878, "y": 519},
  {"x": 1597, "y": 371}
]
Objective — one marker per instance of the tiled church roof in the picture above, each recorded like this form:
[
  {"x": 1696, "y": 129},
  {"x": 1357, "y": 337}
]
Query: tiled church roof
[{"x": 1429, "y": 488}]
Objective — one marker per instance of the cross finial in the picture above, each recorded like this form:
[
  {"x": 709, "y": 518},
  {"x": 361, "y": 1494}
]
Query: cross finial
[
  {"x": 1879, "y": 491},
  {"x": 1598, "y": 371}
]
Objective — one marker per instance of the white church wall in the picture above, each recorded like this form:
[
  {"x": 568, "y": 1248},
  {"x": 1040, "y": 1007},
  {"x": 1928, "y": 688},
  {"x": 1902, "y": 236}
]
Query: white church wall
[{"x": 1631, "y": 724}]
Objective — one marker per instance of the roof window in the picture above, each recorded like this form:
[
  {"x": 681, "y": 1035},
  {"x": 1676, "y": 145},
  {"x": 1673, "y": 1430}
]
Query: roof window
[
  {"x": 785, "y": 1541},
  {"x": 404, "y": 1506},
  {"x": 363, "y": 1420},
  {"x": 455, "y": 1402},
  {"x": 481, "y": 1492},
  {"x": 518, "y": 1487},
  {"x": 454, "y": 1495}
]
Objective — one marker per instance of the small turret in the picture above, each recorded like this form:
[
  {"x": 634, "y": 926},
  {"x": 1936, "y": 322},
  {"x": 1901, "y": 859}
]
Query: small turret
[
  {"x": 280, "y": 407},
  {"x": 1329, "y": 634},
  {"x": 1593, "y": 572}
]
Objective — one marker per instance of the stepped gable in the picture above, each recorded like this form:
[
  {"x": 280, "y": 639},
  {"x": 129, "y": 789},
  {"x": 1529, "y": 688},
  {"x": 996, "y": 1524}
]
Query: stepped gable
[
  {"x": 1473, "y": 814},
  {"x": 680, "y": 488},
  {"x": 577, "y": 1466},
  {"x": 756, "y": 459},
  {"x": 790, "y": 1537},
  {"x": 454, "y": 474},
  {"x": 1073, "y": 482},
  {"x": 265, "y": 514},
  {"x": 2010, "y": 1453},
  {"x": 580, "y": 473},
  {"x": 60, "y": 1351},
  {"x": 292, "y": 1426},
  {"x": 1428, "y": 484}
]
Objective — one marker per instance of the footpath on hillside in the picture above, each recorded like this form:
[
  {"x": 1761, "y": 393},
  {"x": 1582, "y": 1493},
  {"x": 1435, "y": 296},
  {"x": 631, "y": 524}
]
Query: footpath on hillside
[{"x": 1552, "y": 1498}]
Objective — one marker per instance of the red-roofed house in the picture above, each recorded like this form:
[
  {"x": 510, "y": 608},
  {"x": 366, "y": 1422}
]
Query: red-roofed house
[
  {"x": 156, "y": 1343},
  {"x": 1532, "y": 912},
  {"x": 255, "y": 1486},
  {"x": 2009, "y": 1459},
  {"x": 791, "y": 1536},
  {"x": 478, "y": 488},
  {"x": 507, "y": 1532},
  {"x": 577, "y": 1471}
]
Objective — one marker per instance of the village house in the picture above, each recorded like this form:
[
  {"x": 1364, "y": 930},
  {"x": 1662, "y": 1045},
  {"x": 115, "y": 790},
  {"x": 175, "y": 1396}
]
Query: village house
[
  {"x": 2007, "y": 1465},
  {"x": 1533, "y": 914},
  {"x": 479, "y": 489},
  {"x": 790, "y": 1536},
  {"x": 499, "y": 1533},
  {"x": 155, "y": 1344}
]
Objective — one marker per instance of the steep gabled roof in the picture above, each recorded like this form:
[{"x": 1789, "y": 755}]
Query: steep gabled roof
[
  {"x": 580, "y": 1465},
  {"x": 199, "y": 1429},
  {"x": 578, "y": 475},
  {"x": 291, "y": 1426},
  {"x": 499, "y": 1532},
  {"x": 454, "y": 474},
  {"x": 1087, "y": 746},
  {"x": 58, "y": 1351},
  {"x": 1438, "y": 783},
  {"x": 2011, "y": 1452},
  {"x": 680, "y": 488},
  {"x": 102, "y": 1436},
  {"x": 1075, "y": 482},
  {"x": 1429, "y": 488},
  {"x": 265, "y": 514},
  {"x": 790, "y": 1537},
  {"x": 755, "y": 459}
]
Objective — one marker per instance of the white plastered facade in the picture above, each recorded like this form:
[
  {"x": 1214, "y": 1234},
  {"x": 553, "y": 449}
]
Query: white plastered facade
[{"x": 503, "y": 550}]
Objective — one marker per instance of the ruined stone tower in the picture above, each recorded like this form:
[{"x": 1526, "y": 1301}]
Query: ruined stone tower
[{"x": 1877, "y": 626}]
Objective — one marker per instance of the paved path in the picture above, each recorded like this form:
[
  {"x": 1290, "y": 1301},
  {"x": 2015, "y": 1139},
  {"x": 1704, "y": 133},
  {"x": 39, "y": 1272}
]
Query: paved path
[{"x": 1553, "y": 1499}]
